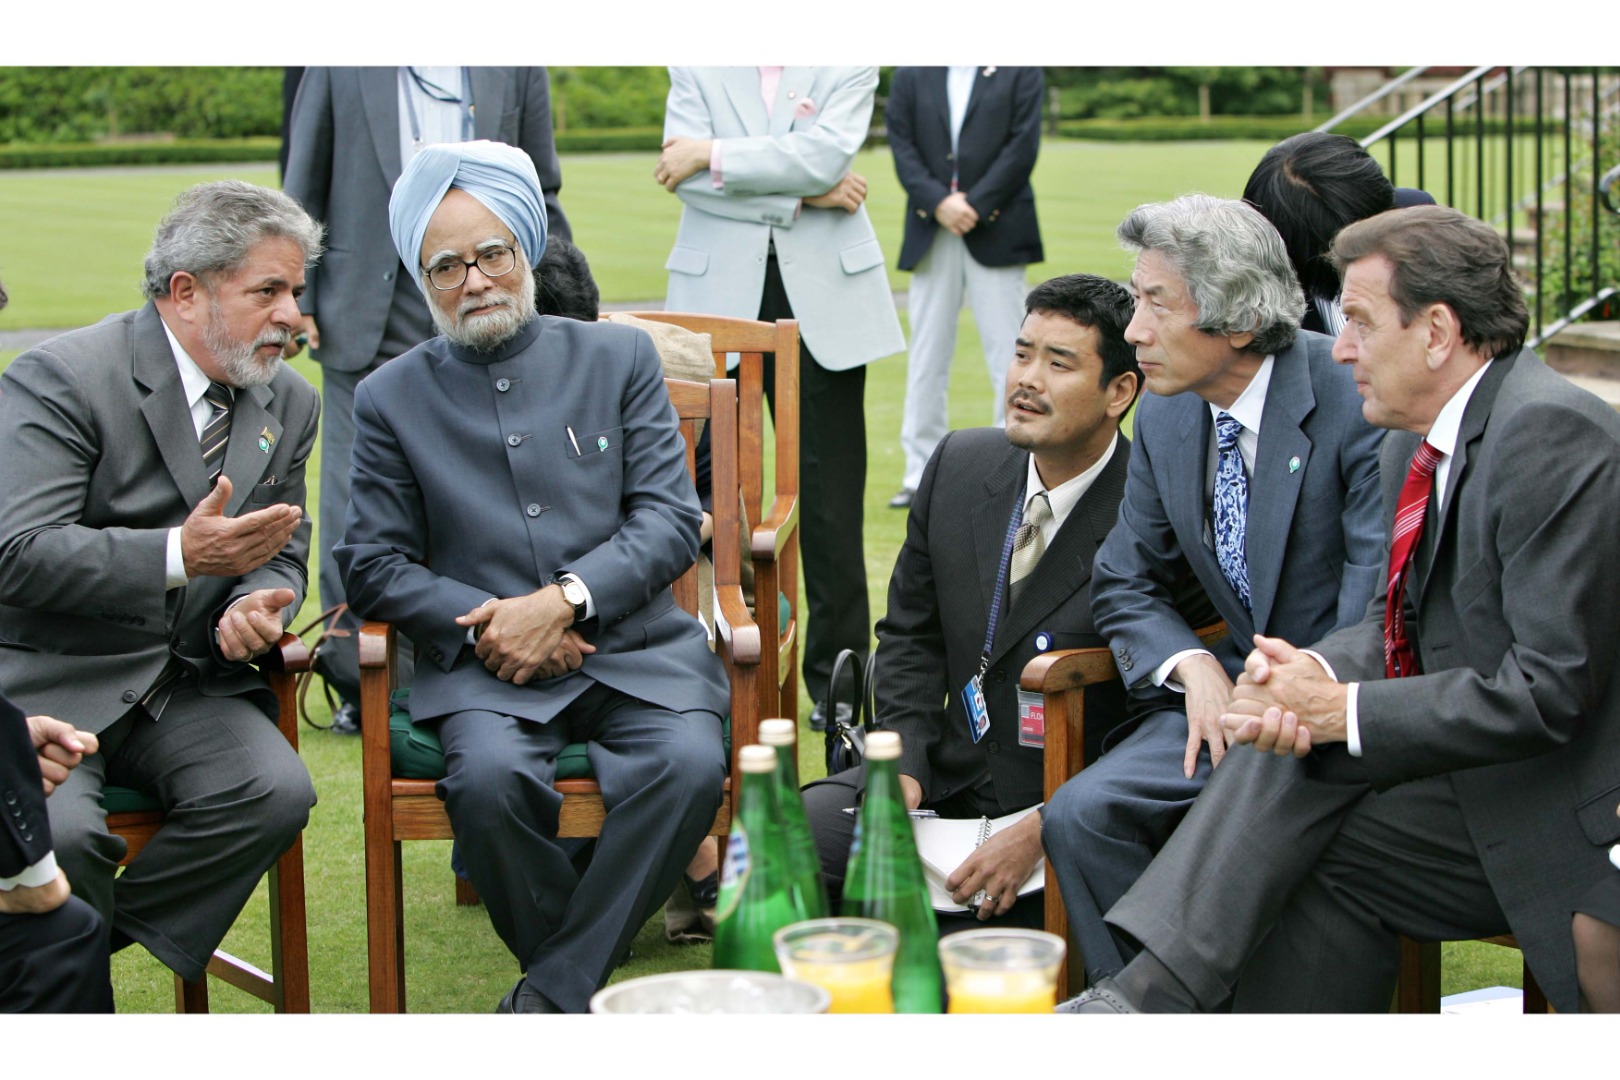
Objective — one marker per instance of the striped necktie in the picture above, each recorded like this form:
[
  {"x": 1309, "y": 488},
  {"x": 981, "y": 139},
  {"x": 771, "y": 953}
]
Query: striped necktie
[
  {"x": 1029, "y": 544},
  {"x": 1410, "y": 510},
  {"x": 216, "y": 434},
  {"x": 1231, "y": 507}
]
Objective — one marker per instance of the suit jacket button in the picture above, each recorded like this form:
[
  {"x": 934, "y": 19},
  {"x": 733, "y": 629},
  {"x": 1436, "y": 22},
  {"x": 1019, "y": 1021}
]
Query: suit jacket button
[
  {"x": 923, "y": 214},
  {"x": 388, "y": 275},
  {"x": 533, "y": 510},
  {"x": 514, "y": 440},
  {"x": 1001, "y": 675},
  {"x": 503, "y": 385},
  {"x": 130, "y": 696},
  {"x": 950, "y": 157},
  {"x": 993, "y": 746},
  {"x": 11, "y": 798}
]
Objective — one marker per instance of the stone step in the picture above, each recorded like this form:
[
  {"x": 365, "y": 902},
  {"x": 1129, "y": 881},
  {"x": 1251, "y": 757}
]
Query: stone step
[{"x": 1589, "y": 355}]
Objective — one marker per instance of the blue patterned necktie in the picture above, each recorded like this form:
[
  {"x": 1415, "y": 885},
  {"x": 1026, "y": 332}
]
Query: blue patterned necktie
[{"x": 1231, "y": 507}]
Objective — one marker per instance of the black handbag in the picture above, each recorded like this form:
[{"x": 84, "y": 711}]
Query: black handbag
[{"x": 846, "y": 732}]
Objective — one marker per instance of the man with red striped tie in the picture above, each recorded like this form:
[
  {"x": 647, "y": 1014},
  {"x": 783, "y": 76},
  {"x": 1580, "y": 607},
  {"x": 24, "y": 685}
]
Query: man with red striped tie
[{"x": 1448, "y": 768}]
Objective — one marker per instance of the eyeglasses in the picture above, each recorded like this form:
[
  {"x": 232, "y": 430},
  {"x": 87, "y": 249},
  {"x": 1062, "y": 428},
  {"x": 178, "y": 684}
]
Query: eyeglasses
[{"x": 494, "y": 262}]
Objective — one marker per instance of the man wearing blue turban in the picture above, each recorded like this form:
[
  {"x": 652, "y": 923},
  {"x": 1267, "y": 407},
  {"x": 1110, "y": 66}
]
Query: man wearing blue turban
[{"x": 535, "y": 461}]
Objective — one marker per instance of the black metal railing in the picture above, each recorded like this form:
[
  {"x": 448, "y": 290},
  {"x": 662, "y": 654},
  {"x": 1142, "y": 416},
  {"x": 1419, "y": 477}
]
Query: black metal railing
[{"x": 1532, "y": 151}]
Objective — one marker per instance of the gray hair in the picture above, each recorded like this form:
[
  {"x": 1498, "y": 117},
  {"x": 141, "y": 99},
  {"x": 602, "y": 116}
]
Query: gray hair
[
  {"x": 212, "y": 227},
  {"x": 1232, "y": 260}
]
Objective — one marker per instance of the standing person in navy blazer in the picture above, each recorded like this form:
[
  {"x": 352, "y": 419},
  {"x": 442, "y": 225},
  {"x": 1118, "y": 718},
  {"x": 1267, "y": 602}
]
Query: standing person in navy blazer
[{"x": 964, "y": 142}]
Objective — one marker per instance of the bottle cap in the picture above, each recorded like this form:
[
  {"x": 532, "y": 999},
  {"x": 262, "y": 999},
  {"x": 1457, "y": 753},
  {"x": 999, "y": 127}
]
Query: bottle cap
[
  {"x": 757, "y": 759},
  {"x": 778, "y": 733},
  {"x": 883, "y": 745}
]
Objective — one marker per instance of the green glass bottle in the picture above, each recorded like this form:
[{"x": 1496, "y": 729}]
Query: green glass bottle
[
  {"x": 885, "y": 879},
  {"x": 757, "y": 897},
  {"x": 783, "y": 735}
]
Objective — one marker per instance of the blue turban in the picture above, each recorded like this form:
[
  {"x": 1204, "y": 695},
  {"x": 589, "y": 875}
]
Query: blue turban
[{"x": 499, "y": 176}]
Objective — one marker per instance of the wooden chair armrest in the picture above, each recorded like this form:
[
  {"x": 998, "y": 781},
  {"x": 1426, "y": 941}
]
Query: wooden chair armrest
[
  {"x": 736, "y": 626},
  {"x": 771, "y": 535},
  {"x": 1068, "y": 669},
  {"x": 289, "y": 657},
  {"x": 376, "y": 642}
]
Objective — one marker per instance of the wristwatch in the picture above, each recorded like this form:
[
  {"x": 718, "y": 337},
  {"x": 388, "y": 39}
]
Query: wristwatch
[{"x": 573, "y": 591}]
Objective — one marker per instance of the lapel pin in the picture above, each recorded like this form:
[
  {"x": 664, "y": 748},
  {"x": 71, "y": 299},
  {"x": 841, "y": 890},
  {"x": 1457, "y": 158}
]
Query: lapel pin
[
  {"x": 1293, "y": 464},
  {"x": 601, "y": 442},
  {"x": 266, "y": 441}
]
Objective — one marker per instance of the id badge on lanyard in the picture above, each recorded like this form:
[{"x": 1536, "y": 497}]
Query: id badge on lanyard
[{"x": 978, "y": 714}]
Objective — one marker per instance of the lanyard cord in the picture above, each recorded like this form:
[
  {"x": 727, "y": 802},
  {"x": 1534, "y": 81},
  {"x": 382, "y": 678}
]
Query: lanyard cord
[
  {"x": 1001, "y": 581},
  {"x": 440, "y": 94}
]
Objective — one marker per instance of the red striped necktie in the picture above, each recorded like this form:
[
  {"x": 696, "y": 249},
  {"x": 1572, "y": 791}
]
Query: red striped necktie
[{"x": 1399, "y": 657}]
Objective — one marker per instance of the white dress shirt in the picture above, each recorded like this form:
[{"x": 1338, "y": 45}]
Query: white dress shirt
[
  {"x": 437, "y": 121},
  {"x": 1066, "y": 495}
]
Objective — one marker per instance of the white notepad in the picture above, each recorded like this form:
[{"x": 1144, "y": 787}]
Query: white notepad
[{"x": 943, "y": 844}]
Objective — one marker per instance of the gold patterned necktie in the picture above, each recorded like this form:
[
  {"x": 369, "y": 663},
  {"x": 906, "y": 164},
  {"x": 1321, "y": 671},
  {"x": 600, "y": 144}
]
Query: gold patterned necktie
[{"x": 1030, "y": 543}]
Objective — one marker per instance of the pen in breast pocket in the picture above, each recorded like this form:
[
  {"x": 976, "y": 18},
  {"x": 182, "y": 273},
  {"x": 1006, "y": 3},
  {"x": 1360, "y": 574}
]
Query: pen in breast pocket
[{"x": 574, "y": 441}]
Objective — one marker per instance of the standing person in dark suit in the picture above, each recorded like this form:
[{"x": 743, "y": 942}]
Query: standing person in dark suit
[
  {"x": 774, "y": 226},
  {"x": 1255, "y": 477},
  {"x": 1449, "y": 766},
  {"x": 536, "y": 463},
  {"x": 964, "y": 141},
  {"x": 53, "y": 946},
  {"x": 152, "y": 542},
  {"x": 1052, "y": 480},
  {"x": 353, "y": 130}
]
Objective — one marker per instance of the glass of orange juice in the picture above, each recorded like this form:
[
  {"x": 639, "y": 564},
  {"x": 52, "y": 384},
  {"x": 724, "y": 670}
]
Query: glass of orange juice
[
  {"x": 851, "y": 959},
  {"x": 1001, "y": 971}
]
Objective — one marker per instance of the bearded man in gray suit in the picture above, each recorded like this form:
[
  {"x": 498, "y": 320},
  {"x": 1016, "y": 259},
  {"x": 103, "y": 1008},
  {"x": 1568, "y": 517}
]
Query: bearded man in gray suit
[{"x": 152, "y": 542}]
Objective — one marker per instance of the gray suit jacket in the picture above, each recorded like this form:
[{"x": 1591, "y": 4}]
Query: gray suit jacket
[
  {"x": 931, "y": 638},
  {"x": 831, "y": 262},
  {"x": 1314, "y": 544},
  {"x": 343, "y": 165},
  {"x": 467, "y": 485},
  {"x": 102, "y": 460},
  {"x": 1515, "y": 598}
]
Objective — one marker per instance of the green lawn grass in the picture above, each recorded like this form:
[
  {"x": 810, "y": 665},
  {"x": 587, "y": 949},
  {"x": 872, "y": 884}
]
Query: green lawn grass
[{"x": 70, "y": 251}]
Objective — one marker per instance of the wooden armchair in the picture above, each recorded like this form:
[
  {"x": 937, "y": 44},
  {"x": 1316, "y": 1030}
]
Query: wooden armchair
[
  {"x": 137, "y": 819},
  {"x": 775, "y": 544},
  {"x": 1061, "y": 678},
  {"x": 399, "y": 808}
]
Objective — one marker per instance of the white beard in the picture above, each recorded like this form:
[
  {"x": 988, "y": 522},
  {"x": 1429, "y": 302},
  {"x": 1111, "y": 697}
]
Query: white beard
[
  {"x": 491, "y": 330},
  {"x": 238, "y": 360}
]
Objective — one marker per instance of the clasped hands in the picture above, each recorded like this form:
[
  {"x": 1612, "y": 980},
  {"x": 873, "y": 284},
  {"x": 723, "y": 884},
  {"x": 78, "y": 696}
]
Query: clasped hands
[
  {"x": 524, "y": 636},
  {"x": 683, "y": 157},
  {"x": 1284, "y": 702}
]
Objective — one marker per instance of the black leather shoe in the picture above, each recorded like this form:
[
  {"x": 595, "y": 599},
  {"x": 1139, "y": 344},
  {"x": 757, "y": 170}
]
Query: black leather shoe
[
  {"x": 523, "y": 998},
  {"x": 902, "y": 499},
  {"x": 818, "y": 716},
  {"x": 346, "y": 721},
  {"x": 704, "y": 893},
  {"x": 1105, "y": 999}
]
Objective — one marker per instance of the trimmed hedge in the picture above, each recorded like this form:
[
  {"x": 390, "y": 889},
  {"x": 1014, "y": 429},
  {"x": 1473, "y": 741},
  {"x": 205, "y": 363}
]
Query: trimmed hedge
[
  {"x": 603, "y": 140},
  {"x": 1264, "y": 128},
  {"x": 177, "y": 152}
]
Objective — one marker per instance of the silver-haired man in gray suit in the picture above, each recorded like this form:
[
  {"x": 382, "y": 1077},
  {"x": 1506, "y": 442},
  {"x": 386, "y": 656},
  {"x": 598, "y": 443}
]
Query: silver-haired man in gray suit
[{"x": 152, "y": 542}]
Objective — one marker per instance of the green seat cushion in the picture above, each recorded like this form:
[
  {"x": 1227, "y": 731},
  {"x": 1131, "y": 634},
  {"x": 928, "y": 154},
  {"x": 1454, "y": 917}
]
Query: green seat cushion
[
  {"x": 123, "y": 800},
  {"x": 417, "y": 753}
]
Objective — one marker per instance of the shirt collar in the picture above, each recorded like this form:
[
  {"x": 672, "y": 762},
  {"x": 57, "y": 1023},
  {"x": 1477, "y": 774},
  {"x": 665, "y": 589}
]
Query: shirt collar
[
  {"x": 1066, "y": 495},
  {"x": 1448, "y": 424},
  {"x": 191, "y": 376},
  {"x": 1250, "y": 404}
]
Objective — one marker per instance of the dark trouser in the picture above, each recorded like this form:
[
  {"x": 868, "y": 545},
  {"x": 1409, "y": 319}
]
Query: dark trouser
[
  {"x": 834, "y": 830},
  {"x": 832, "y": 493},
  {"x": 236, "y": 796},
  {"x": 662, "y": 775},
  {"x": 1289, "y": 883},
  {"x": 1102, "y": 828},
  {"x": 56, "y": 962}
]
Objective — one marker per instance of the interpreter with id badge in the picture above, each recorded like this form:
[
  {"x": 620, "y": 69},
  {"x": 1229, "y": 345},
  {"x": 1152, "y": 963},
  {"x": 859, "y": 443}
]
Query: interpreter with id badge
[{"x": 995, "y": 570}]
